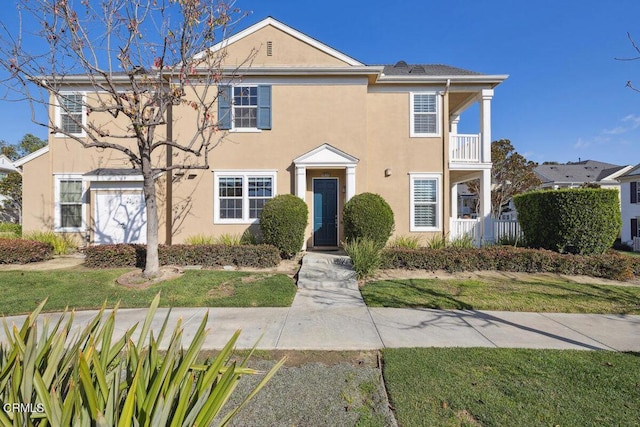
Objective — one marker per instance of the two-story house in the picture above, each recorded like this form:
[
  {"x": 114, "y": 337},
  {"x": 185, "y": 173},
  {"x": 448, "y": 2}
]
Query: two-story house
[
  {"x": 304, "y": 119},
  {"x": 630, "y": 206}
]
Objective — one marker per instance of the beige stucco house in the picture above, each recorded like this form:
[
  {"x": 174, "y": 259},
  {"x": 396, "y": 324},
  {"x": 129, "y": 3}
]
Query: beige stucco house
[{"x": 304, "y": 119}]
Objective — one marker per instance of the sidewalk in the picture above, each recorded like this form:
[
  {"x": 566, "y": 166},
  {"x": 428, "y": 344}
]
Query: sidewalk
[
  {"x": 328, "y": 313},
  {"x": 375, "y": 328}
]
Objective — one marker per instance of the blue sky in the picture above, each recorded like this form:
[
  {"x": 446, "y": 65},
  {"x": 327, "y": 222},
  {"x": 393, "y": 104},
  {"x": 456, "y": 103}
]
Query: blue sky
[{"x": 565, "y": 98}]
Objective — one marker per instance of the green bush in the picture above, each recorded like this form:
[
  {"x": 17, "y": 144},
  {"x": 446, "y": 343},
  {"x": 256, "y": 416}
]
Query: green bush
[
  {"x": 283, "y": 223},
  {"x": 93, "y": 377},
  {"x": 10, "y": 228},
  {"x": 122, "y": 255},
  {"x": 18, "y": 251},
  {"x": 365, "y": 255},
  {"x": 610, "y": 265},
  {"x": 369, "y": 216},
  {"x": 579, "y": 221},
  {"x": 62, "y": 244}
]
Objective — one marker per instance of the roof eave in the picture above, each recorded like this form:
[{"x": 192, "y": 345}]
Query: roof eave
[{"x": 495, "y": 79}]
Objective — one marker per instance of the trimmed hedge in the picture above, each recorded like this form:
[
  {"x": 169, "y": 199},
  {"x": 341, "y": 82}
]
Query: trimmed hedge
[
  {"x": 582, "y": 221},
  {"x": 506, "y": 258},
  {"x": 18, "y": 251},
  {"x": 368, "y": 216},
  {"x": 283, "y": 222},
  {"x": 111, "y": 256}
]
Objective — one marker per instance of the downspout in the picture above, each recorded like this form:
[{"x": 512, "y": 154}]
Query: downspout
[{"x": 445, "y": 160}]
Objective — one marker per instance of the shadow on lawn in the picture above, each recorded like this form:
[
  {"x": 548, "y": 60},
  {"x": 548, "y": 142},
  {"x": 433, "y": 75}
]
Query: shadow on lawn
[{"x": 397, "y": 297}]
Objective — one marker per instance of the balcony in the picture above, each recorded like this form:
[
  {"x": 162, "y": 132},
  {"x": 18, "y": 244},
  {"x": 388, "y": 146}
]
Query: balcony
[{"x": 465, "y": 148}]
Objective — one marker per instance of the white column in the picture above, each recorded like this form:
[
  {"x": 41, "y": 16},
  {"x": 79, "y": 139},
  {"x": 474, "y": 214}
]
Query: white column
[
  {"x": 455, "y": 119},
  {"x": 351, "y": 182},
  {"x": 301, "y": 182},
  {"x": 454, "y": 201},
  {"x": 485, "y": 206},
  {"x": 485, "y": 124}
]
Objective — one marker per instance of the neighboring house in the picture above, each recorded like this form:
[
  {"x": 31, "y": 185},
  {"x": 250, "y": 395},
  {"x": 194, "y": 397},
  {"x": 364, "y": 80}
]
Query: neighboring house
[
  {"x": 6, "y": 167},
  {"x": 307, "y": 120},
  {"x": 630, "y": 204},
  {"x": 574, "y": 175}
]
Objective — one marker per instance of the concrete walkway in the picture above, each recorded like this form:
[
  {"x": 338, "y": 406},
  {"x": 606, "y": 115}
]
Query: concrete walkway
[{"x": 328, "y": 313}]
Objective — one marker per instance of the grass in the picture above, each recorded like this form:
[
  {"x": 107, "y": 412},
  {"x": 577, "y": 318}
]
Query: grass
[
  {"x": 538, "y": 294},
  {"x": 512, "y": 387},
  {"x": 82, "y": 288}
]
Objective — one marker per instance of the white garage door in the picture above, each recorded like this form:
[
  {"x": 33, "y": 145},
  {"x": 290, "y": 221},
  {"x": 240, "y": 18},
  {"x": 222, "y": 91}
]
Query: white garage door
[{"x": 120, "y": 217}]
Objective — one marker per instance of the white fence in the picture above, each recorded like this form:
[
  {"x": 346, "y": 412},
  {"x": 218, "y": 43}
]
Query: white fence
[{"x": 503, "y": 230}]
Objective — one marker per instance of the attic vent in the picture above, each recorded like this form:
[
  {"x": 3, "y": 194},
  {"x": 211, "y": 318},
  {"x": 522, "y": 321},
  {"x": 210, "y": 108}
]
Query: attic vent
[
  {"x": 417, "y": 69},
  {"x": 401, "y": 64},
  {"x": 269, "y": 48}
]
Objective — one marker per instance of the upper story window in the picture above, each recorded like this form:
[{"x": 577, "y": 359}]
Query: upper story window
[
  {"x": 634, "y": 196},
  {"x": 424, "y": 114},
  {"x": 70, "y": 113},
  {"x": 244, "y": 107}
]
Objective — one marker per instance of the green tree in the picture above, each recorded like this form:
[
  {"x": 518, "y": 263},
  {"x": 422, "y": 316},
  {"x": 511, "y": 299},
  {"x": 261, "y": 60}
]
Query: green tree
[
  {"x": 29, "y": 144},
  {"x": 137, "y": 60},
  {"x": 11, "y": 190},
  {"x": 511, "y": 174}
]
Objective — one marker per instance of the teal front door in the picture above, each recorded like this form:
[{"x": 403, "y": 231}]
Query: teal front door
[{"x": 325, "y": 212}]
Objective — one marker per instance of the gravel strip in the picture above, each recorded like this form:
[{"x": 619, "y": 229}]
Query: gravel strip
[{"x": 314, "y": 394}]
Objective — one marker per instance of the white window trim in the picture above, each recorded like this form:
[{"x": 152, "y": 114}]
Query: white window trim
[
  {"x": 637, "y": 193},
  {"x": 58, "y": 115},
  {"x": 412, "y": 132},
  {"x": 245, "y": 174},
  {"x": 412, "y": 178},
  {"x": 57, "y": 220},
  {"x": 233, "y": 112}
]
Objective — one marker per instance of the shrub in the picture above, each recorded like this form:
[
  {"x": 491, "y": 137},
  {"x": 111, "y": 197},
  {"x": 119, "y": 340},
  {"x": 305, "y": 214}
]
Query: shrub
[
  {"x": 93, "y": 378},
  {"x": 580, "y": 221},
  {"x": 62, "y": 243},
  {"x": 18, "y": 251},
  {"x": 405, "y": 242},
  {"x": 200, "y": 239},
  {"x": 369, "y": 216},
  {"x": 506, "y": 258},
  {"x": 112, "y": 256},
  {"x": 465, "y": 241},
  {"x": 365, "y": 255},
  {"x": 283, "y": 222},
  {"x": 10, "y": 229}
]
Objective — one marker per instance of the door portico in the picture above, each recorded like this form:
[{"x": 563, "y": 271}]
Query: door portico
[{"x": 325, "y": 162}]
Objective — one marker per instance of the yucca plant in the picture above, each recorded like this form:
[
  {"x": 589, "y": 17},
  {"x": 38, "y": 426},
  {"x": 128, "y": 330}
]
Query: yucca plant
[
  {"x": 62, "y": 243},
  {"x": 90, "y": 379},
  {"x": 465, "y": 241},
  {"x": 404, "y": 241},
  {"x": 365, "y": 255},
  {"x": 438, "y": 241},
  {"x": 228, "y": 239},
  {"x": 200, "y": 239}
]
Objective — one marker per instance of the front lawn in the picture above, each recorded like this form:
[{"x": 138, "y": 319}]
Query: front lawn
[
  {"x": 83, "y": 288},
  {"x": 512, "y": 387},
  {"x": 537, "y": 294}
]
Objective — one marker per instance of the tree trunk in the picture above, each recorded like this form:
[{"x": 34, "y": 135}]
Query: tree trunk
[{"x": 152, "y": 266}]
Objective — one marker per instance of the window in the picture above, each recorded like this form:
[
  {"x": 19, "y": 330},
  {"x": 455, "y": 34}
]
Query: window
[
  {"x": 244, "y": 108},
  {"x": 69, "y": 196},
  {"x": 424, "y": 114},
  {"x": 240, "y": 196},
  {"x": 425, "y": 202},
  {"x": 635, "y": 192},
  {"x": 71, "y": 113}
]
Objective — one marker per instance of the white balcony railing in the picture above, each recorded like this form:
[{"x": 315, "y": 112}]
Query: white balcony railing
[
  {"x": 465, "y": 228},
  {"x": 464, "y": 148}
]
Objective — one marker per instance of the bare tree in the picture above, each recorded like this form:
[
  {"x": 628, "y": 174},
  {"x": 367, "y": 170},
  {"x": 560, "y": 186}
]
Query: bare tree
[{"x": 134, "y": 60}]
